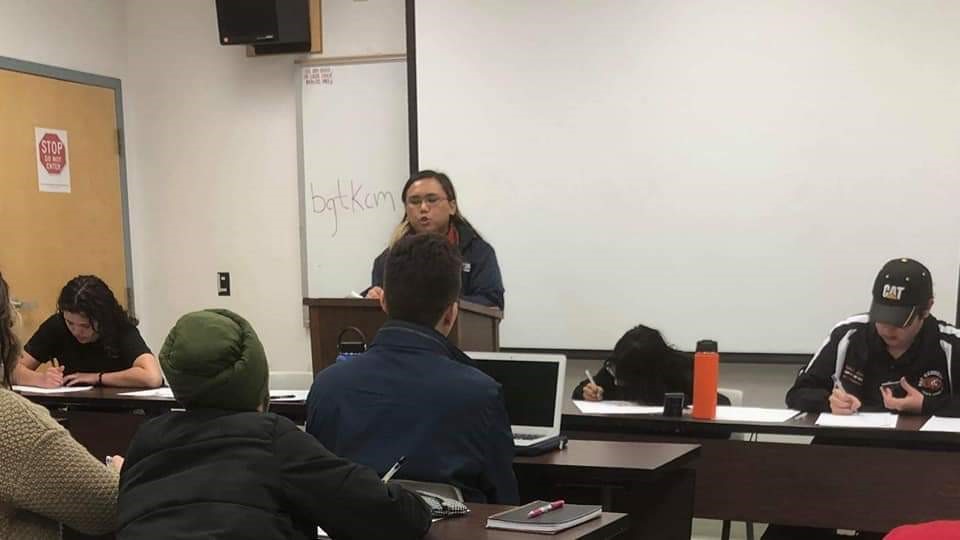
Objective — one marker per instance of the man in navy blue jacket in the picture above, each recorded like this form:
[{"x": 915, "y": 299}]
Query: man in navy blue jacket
[{"x": 415, "y": 395}]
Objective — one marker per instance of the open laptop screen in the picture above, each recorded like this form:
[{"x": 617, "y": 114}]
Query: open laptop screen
[{"x": 529, "y": 389}]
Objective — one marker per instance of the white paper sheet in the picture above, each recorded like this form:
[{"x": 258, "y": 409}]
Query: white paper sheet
[
  {"x": 616, "y": 407},
  {"x": 940, "y": 423},
  {"x": 754, "y": 414},
  {"x": 60, "y": 390},
  {"x": 152, "y": 392},
  {"x": 275, "y": 395},
  {"x": 859, "y": 420}
]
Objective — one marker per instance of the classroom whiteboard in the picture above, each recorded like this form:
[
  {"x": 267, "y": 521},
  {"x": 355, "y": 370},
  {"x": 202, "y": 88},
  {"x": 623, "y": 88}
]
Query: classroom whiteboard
[
  {"x": 735, "y": 170},
  {"x": 354, "y": 161}
]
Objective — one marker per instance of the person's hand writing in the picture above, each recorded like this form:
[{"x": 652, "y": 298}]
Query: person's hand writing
[
  {"x": 81, "y": 379},
  {"x": 375, "y": 292},
  {"x": 52, "y": 377},
  {"x": 912, "y": 403},
  {"x": 843, "y": 403},
  {"x": 592, "y": 392}
]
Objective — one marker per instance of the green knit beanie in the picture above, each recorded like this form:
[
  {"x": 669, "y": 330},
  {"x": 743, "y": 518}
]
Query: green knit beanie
[{"x": 214, "y": 359}]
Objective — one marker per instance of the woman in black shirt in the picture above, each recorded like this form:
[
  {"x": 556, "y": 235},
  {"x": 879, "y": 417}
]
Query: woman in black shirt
[
  {"x": 94, "y": 340},
  {"x": 642, "y": 368}
]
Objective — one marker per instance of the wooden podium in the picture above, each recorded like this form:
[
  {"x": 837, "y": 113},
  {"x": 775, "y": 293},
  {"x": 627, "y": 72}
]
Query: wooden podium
[{"x": 477, "y": 327}]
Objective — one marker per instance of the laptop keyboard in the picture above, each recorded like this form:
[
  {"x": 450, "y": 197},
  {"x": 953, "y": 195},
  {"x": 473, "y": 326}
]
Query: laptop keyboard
[{"x": 526, "y": 436}]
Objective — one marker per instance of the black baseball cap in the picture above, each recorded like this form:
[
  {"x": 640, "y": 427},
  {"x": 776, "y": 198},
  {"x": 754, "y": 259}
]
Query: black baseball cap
[{"x": 902, "y": 290}]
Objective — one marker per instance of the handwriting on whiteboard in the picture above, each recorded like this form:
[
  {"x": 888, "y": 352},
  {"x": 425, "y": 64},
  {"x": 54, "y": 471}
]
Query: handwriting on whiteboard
[{"x": 350, "y": 198}]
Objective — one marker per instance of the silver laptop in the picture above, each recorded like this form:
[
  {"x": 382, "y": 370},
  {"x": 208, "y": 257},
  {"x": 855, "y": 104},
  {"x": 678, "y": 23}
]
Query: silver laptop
[{"x": 533, "y": 387}]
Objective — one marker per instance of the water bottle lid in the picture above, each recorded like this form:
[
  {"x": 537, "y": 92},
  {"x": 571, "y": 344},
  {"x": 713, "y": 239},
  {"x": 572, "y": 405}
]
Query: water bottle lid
[{"x": 706, "y": 345}]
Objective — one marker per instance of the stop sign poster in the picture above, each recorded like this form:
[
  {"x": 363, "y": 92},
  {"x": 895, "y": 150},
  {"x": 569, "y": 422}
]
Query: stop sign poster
[{"x": 53, "y": 160}]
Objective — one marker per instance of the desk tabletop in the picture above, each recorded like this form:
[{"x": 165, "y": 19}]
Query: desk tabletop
[
  {"x": 473, "y": 527},
  {"x": 804, "y": 424},
  {"x": 617, "y": 456},
  {"x": 907, "y": 430},
  {"x": 111, "y": 397}
]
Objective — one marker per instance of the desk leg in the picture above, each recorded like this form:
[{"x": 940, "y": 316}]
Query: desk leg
[{"x": 662, "y": 509}]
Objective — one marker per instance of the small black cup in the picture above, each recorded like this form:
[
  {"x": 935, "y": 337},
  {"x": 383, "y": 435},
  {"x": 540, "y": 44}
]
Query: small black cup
[{"x": 673, "y": 404}]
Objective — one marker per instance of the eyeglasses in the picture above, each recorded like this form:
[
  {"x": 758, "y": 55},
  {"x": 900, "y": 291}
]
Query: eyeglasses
[{"x": 430, "y": 200}]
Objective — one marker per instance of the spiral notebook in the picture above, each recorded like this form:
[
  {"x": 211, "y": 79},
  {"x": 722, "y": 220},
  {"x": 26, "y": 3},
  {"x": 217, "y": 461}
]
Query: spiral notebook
[{"x": 554, "y": 521}]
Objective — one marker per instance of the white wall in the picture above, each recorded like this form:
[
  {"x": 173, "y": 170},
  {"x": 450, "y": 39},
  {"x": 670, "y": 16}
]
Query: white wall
[
  {"x": 212, "y": 141},
  {"x": 85, "y": 35},
  {"x": 211, "y": 148}
]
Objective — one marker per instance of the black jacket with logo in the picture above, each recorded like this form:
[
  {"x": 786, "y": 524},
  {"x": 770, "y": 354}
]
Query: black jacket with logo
[
  {"x": 857, "y": 354},
  {"x": 481, "y": 282},
  {"x": 218, "y": 474}
]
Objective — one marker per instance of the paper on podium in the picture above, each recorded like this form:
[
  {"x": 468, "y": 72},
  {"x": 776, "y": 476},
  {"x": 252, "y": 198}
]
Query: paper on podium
[
  {"x": 616, "y": 407},
  {"x": 859, "y": 420}
]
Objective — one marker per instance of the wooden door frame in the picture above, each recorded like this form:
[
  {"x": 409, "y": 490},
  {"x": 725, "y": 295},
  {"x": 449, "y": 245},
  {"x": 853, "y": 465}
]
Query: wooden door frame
[{"x": 90, "y": 79}]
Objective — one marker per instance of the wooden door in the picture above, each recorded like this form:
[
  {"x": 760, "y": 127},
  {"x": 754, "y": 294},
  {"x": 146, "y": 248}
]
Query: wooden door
[{"x": 48, "y": 238}]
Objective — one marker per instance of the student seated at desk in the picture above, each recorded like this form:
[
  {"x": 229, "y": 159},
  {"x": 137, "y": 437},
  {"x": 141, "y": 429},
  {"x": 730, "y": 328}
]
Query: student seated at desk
[
  {"x": 898, "y": 342},
  {"x": 225, "y": 469},
  {"x": 431, "y": 207},
  {"x": 642, "y": 368},
  {"x": 46, "y": 477},
  {"x": 413, "y": 393},
  {"x": 94, "y": 340}
]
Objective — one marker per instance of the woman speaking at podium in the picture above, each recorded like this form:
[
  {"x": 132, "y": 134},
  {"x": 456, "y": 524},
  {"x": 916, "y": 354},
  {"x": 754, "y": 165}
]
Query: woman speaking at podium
[{"x": 430, "y": 205}]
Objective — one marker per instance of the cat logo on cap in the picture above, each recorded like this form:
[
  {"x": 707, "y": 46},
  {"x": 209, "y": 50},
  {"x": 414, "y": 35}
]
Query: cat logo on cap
[{"x": 892, "y": 292}]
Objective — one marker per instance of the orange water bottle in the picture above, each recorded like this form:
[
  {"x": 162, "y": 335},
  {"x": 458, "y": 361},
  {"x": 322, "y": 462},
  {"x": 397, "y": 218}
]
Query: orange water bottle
[{"x": 706, "y": 375}]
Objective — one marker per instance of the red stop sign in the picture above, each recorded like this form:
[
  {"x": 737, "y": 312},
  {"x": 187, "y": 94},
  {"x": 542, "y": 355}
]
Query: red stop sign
[{"x": 53, "y": 153}]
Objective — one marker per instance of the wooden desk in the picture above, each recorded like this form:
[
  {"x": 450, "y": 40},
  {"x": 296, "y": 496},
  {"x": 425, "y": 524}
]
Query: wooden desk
[
  {"x": 653, "y": 483},
  {"x": 473, "y": 527},
  {"x": 477, "y": 327},
  {"x": 866, "y": 479},
  {"x": 105, "y": 422}
]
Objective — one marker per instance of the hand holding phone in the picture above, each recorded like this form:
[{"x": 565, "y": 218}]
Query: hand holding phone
[{"x": 896, "y": 388}]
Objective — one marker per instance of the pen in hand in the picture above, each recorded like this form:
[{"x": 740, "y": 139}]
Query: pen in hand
[
  {"x": 837, "y": 385},
  {"x": 393, "y": 470},
  {"x": 846, "y": 403},
  {"x": 589, "y": 377}
]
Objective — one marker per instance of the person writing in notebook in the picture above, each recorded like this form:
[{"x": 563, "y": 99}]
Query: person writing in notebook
[
  {"x": 93, "y": 340},
  {"x": 47, "y": 478},
  {"x": 896, "y": 357},
  {"x": 413, "y": 393},
  {"x": 430, "y": 204},
  {"x": 642, "y": 368}
]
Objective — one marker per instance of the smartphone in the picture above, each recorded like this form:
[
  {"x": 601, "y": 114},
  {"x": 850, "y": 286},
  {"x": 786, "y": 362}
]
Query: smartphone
[{"x": 898, "y": 391}]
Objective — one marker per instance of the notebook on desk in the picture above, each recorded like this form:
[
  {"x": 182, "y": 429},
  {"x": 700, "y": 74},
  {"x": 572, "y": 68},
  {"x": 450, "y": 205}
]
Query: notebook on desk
[
  {"x": 532, "y": 389},
  {"x": 570, "y": 515}
]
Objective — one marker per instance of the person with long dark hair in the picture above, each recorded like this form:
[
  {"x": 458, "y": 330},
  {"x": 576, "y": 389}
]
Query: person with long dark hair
[
  {"x": 430, "y": 204},
  {"x": 642, "y": 368},
  {"x": 47, "y": 477},
  {"x": 94, "y": 340}
]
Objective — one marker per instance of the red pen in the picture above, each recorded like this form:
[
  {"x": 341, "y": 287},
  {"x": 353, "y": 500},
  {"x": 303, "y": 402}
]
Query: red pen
[{"x": 545, "y": 508}]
